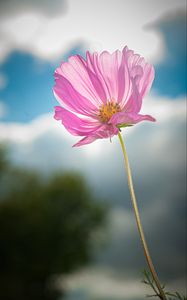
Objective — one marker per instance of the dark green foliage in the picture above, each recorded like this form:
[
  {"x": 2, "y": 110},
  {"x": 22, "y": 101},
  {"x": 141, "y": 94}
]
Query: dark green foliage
[
  {"x": 3, "y": 160},
  {"x": 46, "y": 229}
]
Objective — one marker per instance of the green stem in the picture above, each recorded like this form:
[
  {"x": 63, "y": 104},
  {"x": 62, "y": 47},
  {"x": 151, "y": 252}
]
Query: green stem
[{"x": 138, "y": 221}]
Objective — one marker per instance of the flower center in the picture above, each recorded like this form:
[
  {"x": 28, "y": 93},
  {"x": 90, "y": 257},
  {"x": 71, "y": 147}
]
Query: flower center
[{"x": 107, "y": 110}]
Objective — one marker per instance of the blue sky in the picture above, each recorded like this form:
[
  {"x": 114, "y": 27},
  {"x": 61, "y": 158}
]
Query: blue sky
[
  {"x": 28, "y": 93},
  {"x": 171, "y": 73}
]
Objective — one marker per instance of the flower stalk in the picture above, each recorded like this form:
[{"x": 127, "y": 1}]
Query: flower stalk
[{"x": 161, "y": 295}]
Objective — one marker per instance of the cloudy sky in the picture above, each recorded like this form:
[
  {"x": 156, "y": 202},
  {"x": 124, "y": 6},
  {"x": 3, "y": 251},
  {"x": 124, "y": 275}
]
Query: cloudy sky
[{"x": 34, "y": 37}]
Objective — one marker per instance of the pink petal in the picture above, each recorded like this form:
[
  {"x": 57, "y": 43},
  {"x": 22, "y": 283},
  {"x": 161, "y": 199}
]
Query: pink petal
[
  {"x": 74, "y": 124},
  {"x": 76, "y": 72},
  {"x": 125, "y": 84},
  {"x": 104, "y": 131},
  {"x": 113, "y": 73},
  {"x": 129, "y": 118},
  {"x": 70, "y": 98},
  {"x": 93, "y": 65},
  {"x": 147, "y": 79},
  {"x": 140, "y": 77},
  {"x": 109, "y": 64},
  {"x": 139, "y": 68},
  {"x": 134, "y": 103},
  {"x": 98, "y": 86},
  {"x": 86, "y": 140}
]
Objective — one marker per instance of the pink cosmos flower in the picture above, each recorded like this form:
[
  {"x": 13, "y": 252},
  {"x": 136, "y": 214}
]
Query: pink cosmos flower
[{"x": 101, "y": 93}]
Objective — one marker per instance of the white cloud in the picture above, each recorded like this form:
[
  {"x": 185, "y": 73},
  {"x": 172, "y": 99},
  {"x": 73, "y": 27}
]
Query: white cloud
[
  {"x": 98, "y": 283},
  {"x": 101, "y": 24},
  {"x": 164, "y": 109},
  {"x": 104, "y": 284},
  {"x": 13, "y": 7},
  {"x": 27, "y": 132}
]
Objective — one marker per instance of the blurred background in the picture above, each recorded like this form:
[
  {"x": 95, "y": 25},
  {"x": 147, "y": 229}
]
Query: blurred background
[{"x": 67, "y": 229}]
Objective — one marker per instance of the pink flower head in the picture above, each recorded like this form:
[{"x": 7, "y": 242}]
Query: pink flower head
[{"x": 101, "y": 93}]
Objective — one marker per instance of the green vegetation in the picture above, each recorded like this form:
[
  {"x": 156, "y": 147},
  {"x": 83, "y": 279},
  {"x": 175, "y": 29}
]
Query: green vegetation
[
  {"x": 46, "y": 229},
  {"x": 148, "y": 280}
]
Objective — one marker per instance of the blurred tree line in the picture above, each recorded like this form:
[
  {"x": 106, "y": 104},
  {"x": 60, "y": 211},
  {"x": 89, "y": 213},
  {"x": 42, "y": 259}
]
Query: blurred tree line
[{"x": 46, "y": 229}]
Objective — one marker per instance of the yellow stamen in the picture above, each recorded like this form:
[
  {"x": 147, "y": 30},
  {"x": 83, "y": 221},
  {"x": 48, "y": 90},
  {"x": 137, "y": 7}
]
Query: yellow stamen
[{"x": 107, "y": 110}]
